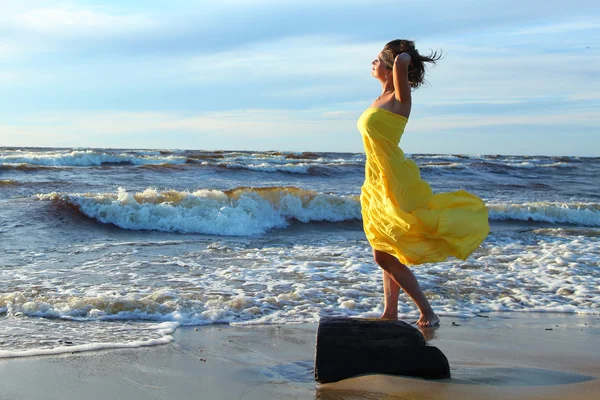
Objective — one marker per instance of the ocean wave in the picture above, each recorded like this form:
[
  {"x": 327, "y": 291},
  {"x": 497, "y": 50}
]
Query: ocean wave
[
  {"x": 8, "y": 182},
  {"x": 539, "y": 164},
  {"x": 226, "y": 282},
  {"x": 438, "y": 157},
  {"x": 307, "y": 155},
  {"x": 522, "y": 164},
  {"x": 160, "y": 167},
  {"x": 567, "y": 159},
  {"x": 559, "y": 165},
  {"x": 237, "y": 212},
  {"x": 83, "y": 158},
  {"x": 70, "y": 349},
  {"x": 301, "y": 168},
  {"x": 23, "y": 167},
  {"x": 443, "y": 165},
  {"x": 197, "y": 158},
  {"x": 158, "y": 306},
  {"x": 588, "y": 232},
  {"x": 584, "y": 214},
  {"x": 529, "y": 185},
  {"x": 297, "y": 168},
  {"x": 74, "y": 336},
  {"x": 240, "y": 281},
  {"x": 251, "y": 211}
]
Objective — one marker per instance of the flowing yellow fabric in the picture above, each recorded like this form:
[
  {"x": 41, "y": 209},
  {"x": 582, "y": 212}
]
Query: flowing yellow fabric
[{"x": 401, "y": 215}]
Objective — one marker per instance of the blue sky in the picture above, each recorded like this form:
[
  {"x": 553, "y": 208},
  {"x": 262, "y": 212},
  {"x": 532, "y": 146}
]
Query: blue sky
[{"x": 518, "y": 77}]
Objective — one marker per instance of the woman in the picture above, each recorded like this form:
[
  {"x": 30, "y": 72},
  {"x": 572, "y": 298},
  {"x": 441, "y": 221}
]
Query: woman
[{"x": 405, "y": 223}]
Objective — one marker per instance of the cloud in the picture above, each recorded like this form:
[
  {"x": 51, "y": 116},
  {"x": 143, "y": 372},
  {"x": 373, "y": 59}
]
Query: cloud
[
  {"x": 67, "y": 21},
  {"x": 453, "y": 122},
  {"x": 506, "y": 73},
  {"x": 302, "y": 130},
  {"x": 304, "y": 57},
  {"x": 180, "y": 28},
  {"x": 559, "y": 28},
  {"x": 255, "y": 129},
  {"x": 119, "y": 70}
]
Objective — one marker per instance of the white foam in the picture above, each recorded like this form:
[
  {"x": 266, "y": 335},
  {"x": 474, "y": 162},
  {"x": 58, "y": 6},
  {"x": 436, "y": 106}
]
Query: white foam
[
  {"x": 164, "y": 330},
  {"x": 255, "y": 211},
  {"x": 296, "y": 168},
  {"x": 87, "y": 158},
  {"x": 585, "y": 214},
  {"x": 558, "y": 165},
  {"x": 261, "y": 281},
  {"x": 246, "y": 212},
  {"x": 522, "y": 164},
  {"x": 443, "y": 165},
  {"x": 304, "y": 167}
]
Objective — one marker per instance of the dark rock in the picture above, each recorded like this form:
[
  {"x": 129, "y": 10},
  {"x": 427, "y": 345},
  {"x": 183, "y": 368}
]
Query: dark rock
[{"x": 348, "y": 347}]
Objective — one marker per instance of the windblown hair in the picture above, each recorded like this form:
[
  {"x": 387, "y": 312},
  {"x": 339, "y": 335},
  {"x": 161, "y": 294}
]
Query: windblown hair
[{"x": 416, "y": 69}]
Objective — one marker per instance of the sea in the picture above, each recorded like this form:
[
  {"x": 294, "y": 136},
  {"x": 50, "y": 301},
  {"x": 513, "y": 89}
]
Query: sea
[{"x": 117, "y": 248}]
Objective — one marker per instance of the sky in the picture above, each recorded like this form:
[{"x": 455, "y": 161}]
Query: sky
[{"x": 517, "y": 77}]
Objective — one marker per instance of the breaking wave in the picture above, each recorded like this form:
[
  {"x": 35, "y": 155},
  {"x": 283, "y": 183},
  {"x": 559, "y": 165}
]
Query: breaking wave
[
  {"x": 88, "y": 158},
  {"x": 585, "y": 214},
  {"x": 236, "y": 212},
  {"x": 248, "y": 211}
]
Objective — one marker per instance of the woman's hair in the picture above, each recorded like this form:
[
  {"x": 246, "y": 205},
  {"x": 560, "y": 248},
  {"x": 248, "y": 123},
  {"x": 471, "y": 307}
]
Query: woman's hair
[{"x": 416, "y": 69}]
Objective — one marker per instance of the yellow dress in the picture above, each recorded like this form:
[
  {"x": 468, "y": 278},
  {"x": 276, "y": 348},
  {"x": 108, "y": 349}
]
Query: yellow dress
[{"x": 401, "y": 215}]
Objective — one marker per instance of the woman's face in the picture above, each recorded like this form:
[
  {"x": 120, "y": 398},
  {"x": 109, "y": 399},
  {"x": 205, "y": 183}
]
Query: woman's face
[{"x": 378, "y": 69}]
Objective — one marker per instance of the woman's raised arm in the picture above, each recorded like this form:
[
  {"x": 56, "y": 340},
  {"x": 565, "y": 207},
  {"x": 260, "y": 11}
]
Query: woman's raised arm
[{"x": 400, "y": 73}]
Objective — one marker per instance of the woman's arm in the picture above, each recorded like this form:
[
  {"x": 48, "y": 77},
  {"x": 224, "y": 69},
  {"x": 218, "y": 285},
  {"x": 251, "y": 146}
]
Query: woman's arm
[{"x": 400, "y": 73}]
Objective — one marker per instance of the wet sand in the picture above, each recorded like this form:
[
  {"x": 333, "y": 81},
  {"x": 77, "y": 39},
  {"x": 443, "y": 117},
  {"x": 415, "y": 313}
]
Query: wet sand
[{"x": 507, "y": 355}]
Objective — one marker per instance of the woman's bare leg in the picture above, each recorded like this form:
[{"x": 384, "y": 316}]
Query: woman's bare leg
[
  {"x": 405, "y": 279},
  {"x": 391, "y": 292}
]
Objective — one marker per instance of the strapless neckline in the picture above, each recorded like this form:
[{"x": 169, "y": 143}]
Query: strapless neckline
[{"x": 388, "y": 112}]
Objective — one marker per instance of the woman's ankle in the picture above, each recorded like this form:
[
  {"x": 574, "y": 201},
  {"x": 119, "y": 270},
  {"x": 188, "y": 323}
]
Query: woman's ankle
[{"x": 389, "y": 315}]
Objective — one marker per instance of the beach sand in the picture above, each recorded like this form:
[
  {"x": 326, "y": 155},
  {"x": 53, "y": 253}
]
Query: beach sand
[{"x": 504, "y": 356}]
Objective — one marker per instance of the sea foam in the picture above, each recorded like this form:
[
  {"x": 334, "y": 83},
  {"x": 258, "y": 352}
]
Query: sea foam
[
  {"x": 251, "y": 211},
  {"x": 585, "y": 214},
  {"x": 238, "y": 212},
  {"x": 87, "y": 158}
]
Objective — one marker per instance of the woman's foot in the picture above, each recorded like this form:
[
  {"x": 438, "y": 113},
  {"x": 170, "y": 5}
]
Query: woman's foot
[
  {"x": 389, "y": 316},
  {"x": 428, "y": 320}
]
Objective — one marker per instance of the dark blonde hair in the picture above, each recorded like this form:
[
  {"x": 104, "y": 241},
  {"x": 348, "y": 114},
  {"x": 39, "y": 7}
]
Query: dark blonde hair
[{"x": 416, "y": 69}]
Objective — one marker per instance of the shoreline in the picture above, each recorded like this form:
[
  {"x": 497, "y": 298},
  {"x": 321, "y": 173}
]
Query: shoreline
[
  {"x": 168, "y": 329},
  {"x": 507, "y": 355}
]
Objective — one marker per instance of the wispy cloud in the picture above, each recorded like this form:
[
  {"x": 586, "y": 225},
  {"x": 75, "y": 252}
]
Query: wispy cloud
[
  {"x": 560, "y": 28},
  {"x": 70, "y": 21},
  {"x": 109, "y": 71},
  {"x": 267, "y": 129},
  {"x": 250, "y": 129}
]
